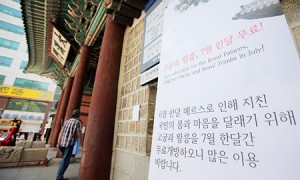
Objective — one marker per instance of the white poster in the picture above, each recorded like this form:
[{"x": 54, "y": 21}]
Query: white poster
[{"x": 228, "y": 93}]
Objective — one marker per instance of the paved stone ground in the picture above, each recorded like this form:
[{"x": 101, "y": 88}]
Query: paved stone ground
[{"x": 41, "y": 172}]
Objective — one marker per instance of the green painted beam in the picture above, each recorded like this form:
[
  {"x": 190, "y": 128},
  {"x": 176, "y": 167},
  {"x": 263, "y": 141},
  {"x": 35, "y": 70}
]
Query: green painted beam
[
  {"x": 91, "y": 30},
  {"x": 95, "y": 22},
  {"x": 75, "y": 64},
  {"x": 36, "y": 15}
]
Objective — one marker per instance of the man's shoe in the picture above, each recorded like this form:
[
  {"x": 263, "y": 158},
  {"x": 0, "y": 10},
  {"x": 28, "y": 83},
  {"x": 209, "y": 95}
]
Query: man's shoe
[{"x": 64, "y": 178}]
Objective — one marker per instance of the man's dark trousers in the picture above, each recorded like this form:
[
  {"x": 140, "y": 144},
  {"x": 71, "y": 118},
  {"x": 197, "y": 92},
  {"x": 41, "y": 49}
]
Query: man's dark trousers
[{"x": 64, "y": 164}]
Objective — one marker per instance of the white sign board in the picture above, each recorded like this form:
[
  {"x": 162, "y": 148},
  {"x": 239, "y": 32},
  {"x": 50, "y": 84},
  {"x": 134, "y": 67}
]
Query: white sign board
[
  {"x": 149, "y": 75},
  {"x": 60, "y": 46},
  {"x": 83, "y": 129},
  {"x": 24, "y": 115},
  {"x": 228, "y": 96},
  {"x": 136, "y": 113}
]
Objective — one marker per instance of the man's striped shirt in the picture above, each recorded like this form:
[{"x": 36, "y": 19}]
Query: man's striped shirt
[{"x": 70, "y": 130}]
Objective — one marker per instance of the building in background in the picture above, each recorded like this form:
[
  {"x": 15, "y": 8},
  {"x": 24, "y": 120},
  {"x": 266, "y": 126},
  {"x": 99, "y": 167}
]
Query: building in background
[
  {"x": 50, "y": 119},
  {"x": 26, "y": 96},
  {"x": 55, "y": 100}
]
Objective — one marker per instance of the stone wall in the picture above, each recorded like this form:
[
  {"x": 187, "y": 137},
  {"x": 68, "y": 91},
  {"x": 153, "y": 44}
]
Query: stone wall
[{"x": 132, "y": 142}]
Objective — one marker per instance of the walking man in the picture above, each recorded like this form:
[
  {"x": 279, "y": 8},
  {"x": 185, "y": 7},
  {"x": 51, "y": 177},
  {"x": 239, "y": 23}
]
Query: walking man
[{"x": 70, "y": 131}]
